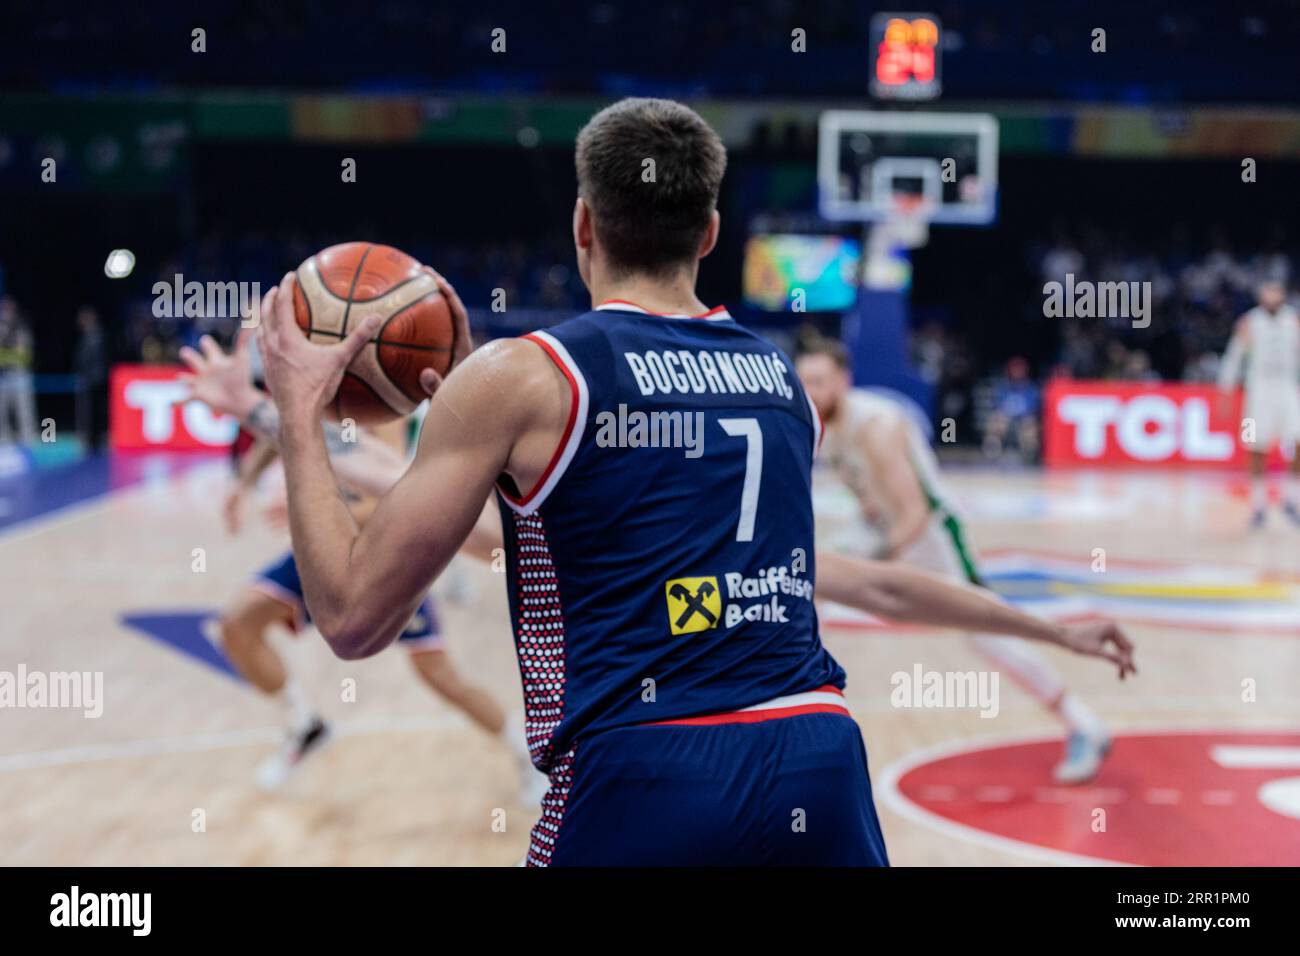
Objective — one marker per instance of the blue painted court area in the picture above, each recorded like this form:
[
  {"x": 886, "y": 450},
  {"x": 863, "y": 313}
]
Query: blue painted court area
[
  {"x": 44, "y": 489},
  {"x": 182, "y": 631}
]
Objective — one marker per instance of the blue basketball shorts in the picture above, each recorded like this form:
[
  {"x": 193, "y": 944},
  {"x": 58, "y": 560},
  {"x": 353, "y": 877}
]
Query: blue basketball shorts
[
  {"x": 780, "y": 784},
  {"x": 280, "y": 580}
]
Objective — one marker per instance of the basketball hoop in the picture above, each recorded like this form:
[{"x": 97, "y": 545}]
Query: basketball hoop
[{"x": 908, "y": 223}]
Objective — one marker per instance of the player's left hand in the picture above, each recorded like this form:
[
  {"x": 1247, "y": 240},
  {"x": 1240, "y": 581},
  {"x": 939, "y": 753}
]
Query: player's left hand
[
  {"x": 1101, "y": 638},
  {"x": 303, "y": 377},
  {"x": 222, "y": 382}
]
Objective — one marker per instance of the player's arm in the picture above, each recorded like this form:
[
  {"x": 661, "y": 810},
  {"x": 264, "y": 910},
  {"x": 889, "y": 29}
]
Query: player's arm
[
  {"x": 887, "y": 449},
  {"x": 1234, "y": 357},
  {"x": 501, "y": 411},
  {"x": 363, "y": 585},
  {"x": 906, "y": 594}
]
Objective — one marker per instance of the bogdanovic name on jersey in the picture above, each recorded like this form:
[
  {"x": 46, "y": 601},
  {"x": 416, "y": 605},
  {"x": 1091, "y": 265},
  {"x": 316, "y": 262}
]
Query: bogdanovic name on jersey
[
  {"x": 773, "y": 584},
  {"x": 696, "y": 371}
]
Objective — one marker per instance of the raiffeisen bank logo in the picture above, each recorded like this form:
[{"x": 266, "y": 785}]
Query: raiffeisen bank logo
[{"x": 703, "y": 603}]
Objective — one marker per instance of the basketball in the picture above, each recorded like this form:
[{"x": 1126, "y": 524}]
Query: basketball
[{"x": 340, "y": 286}]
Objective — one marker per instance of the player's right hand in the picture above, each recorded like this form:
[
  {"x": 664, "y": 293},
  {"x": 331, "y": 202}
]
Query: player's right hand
[{"x": 1101, "y": 638}]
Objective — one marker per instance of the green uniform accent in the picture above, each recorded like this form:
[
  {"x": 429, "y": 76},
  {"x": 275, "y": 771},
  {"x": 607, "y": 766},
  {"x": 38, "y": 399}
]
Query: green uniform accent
[
  {"x": 958, "y": 536},
  {"x": 953, "y": 526}
]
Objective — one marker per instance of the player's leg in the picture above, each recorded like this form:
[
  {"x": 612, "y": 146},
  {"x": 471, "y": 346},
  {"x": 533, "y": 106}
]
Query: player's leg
[
  {"x": 1290, "y": 438},
  {"x": 946, "y": 549},
  {"x": 244, "y": 625},
  {"x": 423, "y": 642},
  {"x": 274, "y": 600},
  {"x": 1262, "y": 420},
  {"x": 1258, "y": 488},
  {"x": 1291, "y": 497},
  {"x": 438, "y": 672},
  {"x": 1088, "y": 741}
]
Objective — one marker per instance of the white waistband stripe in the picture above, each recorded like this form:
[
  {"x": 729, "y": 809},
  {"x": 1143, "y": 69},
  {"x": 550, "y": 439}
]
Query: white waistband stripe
[{"x": 799, "y": 700}]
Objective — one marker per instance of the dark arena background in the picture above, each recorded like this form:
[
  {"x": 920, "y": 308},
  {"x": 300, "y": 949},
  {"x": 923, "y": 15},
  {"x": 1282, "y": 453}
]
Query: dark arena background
[{"x": 1033, "y": 229}]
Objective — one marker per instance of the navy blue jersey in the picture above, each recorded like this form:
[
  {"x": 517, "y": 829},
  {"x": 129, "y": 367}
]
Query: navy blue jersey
[{"x": 662, "y": 566}]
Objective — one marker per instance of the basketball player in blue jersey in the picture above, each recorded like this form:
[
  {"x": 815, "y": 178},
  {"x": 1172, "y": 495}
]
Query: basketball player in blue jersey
[
  {"x": 885, "y": 589},
  {"x": 653, "y": 462}
]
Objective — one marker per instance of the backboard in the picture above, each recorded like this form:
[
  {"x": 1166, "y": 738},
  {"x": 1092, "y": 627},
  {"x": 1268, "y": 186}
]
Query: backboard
[{"x": 868, "y": 161}]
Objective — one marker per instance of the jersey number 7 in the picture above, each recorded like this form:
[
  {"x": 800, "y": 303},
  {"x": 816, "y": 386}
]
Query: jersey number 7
[{"x": 753, "y": 435}]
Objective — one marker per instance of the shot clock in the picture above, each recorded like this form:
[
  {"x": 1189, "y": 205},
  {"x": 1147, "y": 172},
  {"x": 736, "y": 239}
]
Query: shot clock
[{"x": 905, "y": 56}]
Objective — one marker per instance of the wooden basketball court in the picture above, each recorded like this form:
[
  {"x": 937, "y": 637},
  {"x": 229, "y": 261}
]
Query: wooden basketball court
[{"x": 1205, "y": 733}]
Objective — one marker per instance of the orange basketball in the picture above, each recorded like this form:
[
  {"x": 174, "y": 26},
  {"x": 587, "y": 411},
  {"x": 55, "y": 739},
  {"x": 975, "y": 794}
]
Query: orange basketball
[{"x": 340, "y": 286}]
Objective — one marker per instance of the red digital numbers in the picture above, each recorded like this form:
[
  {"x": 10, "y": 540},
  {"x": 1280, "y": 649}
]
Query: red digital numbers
[{"x": 906, "y": 51}]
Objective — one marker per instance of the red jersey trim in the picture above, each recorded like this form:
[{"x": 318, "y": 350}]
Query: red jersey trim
[
  {"x": 568, "y": 443},
  {"x": 782, "y": 707},
  {"x": 717, "y": 312}
]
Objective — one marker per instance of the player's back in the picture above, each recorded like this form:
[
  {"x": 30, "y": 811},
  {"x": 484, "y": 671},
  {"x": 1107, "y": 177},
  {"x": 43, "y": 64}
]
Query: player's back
[
  {"x": 663, "y": 568},
  {"x": 661, "y": 583}
]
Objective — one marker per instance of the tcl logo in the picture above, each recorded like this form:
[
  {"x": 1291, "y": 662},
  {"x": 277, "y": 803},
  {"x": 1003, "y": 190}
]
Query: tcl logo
[
  {"x": 148, "y": 410},
  {"x": 1136, "y": 424}
]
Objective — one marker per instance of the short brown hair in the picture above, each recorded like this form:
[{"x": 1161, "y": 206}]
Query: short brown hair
[
  {"x": 818, "y": 344},
  {"x": 650, "y": 226}
]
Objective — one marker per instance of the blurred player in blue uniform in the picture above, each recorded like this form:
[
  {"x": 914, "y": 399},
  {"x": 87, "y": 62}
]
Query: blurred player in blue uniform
[{"x": 275, "y": 598}]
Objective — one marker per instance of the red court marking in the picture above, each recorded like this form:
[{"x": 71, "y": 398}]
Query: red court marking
[{"x": 1167, "y": 801}]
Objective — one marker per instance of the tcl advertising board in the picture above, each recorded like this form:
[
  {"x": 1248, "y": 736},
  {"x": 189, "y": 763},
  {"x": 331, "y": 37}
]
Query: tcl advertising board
[
  {"x": 1134, "y": 424},
  {"x": 147, "y": 411}
]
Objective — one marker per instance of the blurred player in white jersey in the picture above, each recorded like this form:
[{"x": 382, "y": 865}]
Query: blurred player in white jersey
[
  {"x": 883, "y": 458},
  {"x": 1266, "y": 340}
]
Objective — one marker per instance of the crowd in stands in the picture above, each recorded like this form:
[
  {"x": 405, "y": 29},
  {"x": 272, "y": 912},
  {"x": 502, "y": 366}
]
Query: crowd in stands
[
  {"x": 1198, "y": 288},
  {"x": 1197, "y": 291}
]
